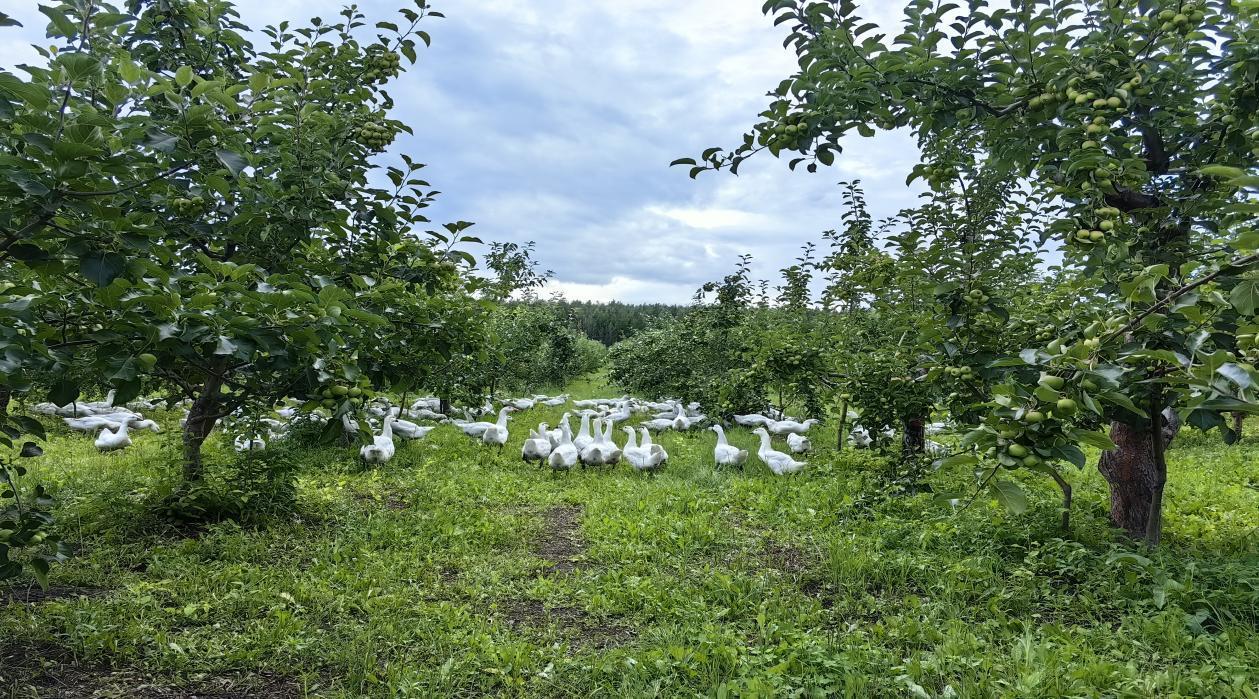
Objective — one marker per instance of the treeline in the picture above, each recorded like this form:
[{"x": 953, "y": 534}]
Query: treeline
[{"x": 612, "y": 322}]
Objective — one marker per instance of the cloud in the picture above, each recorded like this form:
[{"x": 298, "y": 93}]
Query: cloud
[
  {"x": 709, "y": 219},
  {"x": 555, "y": 121},
  {"x": 623, "y": 289}
]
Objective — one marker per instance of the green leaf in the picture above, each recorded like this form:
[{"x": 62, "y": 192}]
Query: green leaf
[
  {"x": 79, "y": 65},
  {"x": 1073, "y": 454},
  {"x": 183, "y": 76},
  {"x": 233, "y": 161},
  {"x": 1122, "y": 401},
  {"x": 64, "y": 392},
  {"x": 39, "y": 567},
  {"x": 1247, "y": 240},
  {"x": 35, "y": 95},
  {"x": 1244, "y": 181},
  {"x": 102, "y": 268},
  {"x": 1245, "y": 296},
  {"x": 1236, "y": 374},
  {"x": 1010, "y": 496},
  {"x": 1093, "y": 439},
  {"x": 959, "y": 460},
  {"x": 1223, "y": 171}
]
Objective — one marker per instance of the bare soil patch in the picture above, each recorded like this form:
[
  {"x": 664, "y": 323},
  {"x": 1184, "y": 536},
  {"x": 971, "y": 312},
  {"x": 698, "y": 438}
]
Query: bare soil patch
[
  {"x": 34, "y": 594},
  {"x": 581, "y": 628},
  {"x": 46, "y": 670},
  {"x": 785, "y": 557},
  {"x": 561, "y": 542}
]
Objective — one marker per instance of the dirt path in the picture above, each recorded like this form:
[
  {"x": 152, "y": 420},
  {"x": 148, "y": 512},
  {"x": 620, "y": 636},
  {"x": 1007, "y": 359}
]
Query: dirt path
[{"x": 561, "y": 542}]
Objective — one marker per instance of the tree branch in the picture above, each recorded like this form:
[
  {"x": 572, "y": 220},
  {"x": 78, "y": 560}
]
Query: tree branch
[
  {"x": 121, "y": 190},
  {"x": 1161, "y": 303}
]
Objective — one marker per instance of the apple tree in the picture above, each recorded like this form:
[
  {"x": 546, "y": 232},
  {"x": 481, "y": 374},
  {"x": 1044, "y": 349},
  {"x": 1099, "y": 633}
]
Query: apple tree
[
  {"x": 1136, "y": 118},
  {"x": 188, "y": 211}
]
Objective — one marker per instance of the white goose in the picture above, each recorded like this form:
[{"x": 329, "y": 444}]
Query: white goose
[
  {"x": 554, "y": 436},
  {"x": 783, "y": 427},
  {"x": 648, "y": 457},
  {"x": 497, "y": 435},
  {"x": 350, "y": 425},
  {"x": 611, "y": 452},
  {"x": 149, "y": 425},
  {"x": 476, "y": 429},
  {"x": 564, "y": 456},
  {"x": 243, "y": 443},
  {"x": 583, "y": 438},
  {"x": 537, "y": 447},
  {"x": 860, "y": 437},
  {"x": 681, "y": 422},
  {"x": 658, "y": 425},
  {"x": 673, "y": 411},
  {"x": 90, "y": 423},
  {"x": 725, "y": 453},
  {"x": 409, "y": 430},
  {"x": 753, "y": 420},
  {"x": 427, "y": 404},
  {"x": 799, "y": 444},
  {"x": 777, "y": 461},
  {"x": 382, "y": 449},
  {"x": 596, "y": 452},
  {"x": 523, "y": 403},
  {"x": 621, "y": 414},
  {"x": 111, "y": 440},
  {"x": 426, "y": 414},
  {"x": 556, "y": 401},
  {"x": 101, "y": 405}
]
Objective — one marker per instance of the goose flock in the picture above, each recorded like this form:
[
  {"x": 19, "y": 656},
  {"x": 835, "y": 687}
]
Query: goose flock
[{"x": 593, "y": 445}]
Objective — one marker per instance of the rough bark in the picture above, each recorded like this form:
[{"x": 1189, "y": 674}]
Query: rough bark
[
  {"x": 843, "y": 423},
  {"x": 1239, "y": 423},
  {"x": 5, "y": 394},
  {"x": 915, "y": 439},
  {"x": 202, "y": 417},
  {"x": 1134, "y": 475}
]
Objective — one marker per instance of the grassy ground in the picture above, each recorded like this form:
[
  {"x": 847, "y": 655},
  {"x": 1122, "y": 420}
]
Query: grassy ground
[{"x": 457, "y": 571}]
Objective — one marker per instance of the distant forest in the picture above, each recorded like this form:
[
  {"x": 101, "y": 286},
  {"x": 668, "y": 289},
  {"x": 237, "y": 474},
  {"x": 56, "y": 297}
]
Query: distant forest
[{"x": 610, "y": 323}]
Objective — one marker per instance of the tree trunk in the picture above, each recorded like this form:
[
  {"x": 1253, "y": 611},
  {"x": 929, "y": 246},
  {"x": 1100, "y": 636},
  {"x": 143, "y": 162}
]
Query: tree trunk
[
  {"x": 5, "y": 394},
  {"x": 202, "y": 417},
  {"x": 843, "y": 422},
  {"x": 915, "y": 439},
  {"x": 1239, "y": 423},
  {"x": 1135, "y": 475}
]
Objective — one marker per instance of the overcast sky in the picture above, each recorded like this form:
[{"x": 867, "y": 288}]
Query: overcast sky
[{"x": 555, "y": 121}]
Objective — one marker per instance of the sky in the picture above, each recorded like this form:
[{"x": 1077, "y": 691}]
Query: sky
[{"x": 555, "y": 121}]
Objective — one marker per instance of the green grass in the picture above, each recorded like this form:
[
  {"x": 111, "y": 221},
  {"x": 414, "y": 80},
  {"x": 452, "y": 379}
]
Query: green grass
[{"x": 453, "y": 571}]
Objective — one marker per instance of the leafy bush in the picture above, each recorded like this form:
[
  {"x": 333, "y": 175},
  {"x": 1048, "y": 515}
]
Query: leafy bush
[
  {"x": 591, "y": 355},
  {"x": 246, "y": 487},
  {"x": 27, "y": 541}
]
